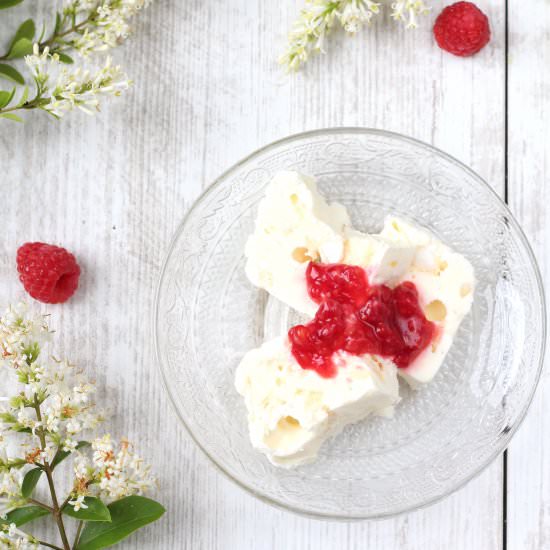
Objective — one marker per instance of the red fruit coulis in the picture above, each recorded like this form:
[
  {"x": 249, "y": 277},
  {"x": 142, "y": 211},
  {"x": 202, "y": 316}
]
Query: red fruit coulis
[{"x": 359, "y": 318}]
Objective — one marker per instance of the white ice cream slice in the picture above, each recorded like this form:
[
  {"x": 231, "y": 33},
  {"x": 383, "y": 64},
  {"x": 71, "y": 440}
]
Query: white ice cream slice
[
  {"x": 294, "y": 226},
  {"x": 292, "y": 411},
  {"x": 385, "y": 261},
  {"x": 445, "y": 281}
]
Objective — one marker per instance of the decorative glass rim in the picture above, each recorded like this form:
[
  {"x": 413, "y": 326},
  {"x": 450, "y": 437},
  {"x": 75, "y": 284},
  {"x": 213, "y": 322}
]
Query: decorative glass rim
[{"x": 515, "y": 227}]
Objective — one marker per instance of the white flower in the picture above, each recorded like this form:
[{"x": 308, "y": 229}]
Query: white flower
[
  {"x": 75, "y": 88},
  {"x": 308, "y": 32},
  {"x": 407, "y": 11},
  {"x": 69, "y": 445},
  {"x": 119, "y": 474},
  {"x": 355, "y": 13},
  {"x": 51, "y": 422},
  {"x": 73, "y": 426},
  {"x": 12, "y": 538},
  {"x": 78, "y": 503},
  {"x": 103, "y": 447},
  {"x": 318, "y": 17},
  {"x": 48, "y": 453},
  {"x": 82, "y": 391},
  {"x": 82, "y": 466},
  {"x": 19, "y": 331},
  {"x": 24, "y": 418},
  {"x": 103, "y": 24},
  {"x": 10, "y": 483}
]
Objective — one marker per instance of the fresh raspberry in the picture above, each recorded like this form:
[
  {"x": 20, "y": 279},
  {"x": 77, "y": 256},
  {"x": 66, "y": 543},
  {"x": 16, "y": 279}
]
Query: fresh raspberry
[
  {"x": 462, "y": 29},
  {"x": 49, "y": 273}
]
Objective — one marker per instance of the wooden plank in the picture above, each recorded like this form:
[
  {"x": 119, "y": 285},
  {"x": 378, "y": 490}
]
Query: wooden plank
[
  {"x": 529, "y": 196},
  {"x": 114, "y": 188}
]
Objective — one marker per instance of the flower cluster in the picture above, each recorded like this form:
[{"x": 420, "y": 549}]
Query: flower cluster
[
  {"x": 111, "y": 473},
  {"x": 98, "y": 25},
  {"x": 61, "y": 90},
  {"x": 407, "y": 11},
  {"x": 318, "y": 17},
  {"x": 46, "y": 420},
  {"x": 10, "y": 480},
  {"x": 84, "y": 27},
  {"x": 12, "y": 538}
]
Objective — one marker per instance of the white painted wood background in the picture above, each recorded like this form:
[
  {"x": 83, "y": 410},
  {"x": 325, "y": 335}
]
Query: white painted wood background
[{"x": 207, "y": 92}]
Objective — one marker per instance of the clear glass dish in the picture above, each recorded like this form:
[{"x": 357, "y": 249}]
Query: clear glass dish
[{"x": 208, "y": 315}]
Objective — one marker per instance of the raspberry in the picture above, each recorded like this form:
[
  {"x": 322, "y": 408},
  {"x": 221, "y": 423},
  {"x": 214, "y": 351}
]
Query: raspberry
[
  {"x": 462, "y": 29},
  {"x": 49, "y": 273}
]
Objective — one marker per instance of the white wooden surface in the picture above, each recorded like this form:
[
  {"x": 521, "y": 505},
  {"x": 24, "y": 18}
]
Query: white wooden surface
[{"x": 207, "y": 92}]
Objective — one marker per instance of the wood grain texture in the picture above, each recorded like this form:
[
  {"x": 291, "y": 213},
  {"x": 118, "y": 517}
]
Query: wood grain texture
[
  {"x": 529, "y": 198},
  {"x": 113, "y": 189}
]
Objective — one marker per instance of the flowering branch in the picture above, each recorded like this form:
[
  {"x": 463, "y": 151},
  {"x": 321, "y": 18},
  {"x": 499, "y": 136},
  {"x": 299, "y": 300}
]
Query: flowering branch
[
  {"x": 318, "y": 18},
  {"x": 84, "y": 27},
  {"x": 93, "y": 25},
  {"x": 47, "y": 416},
  {"x": 70, "y": 90}
]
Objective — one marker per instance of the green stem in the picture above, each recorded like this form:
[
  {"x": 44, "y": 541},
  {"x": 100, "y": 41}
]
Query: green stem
[
  {"x": 41, "y": 504},
  {"x": 54, "y": 37},
  {"x": 65, "y": 502},
  {"x": 56, "y": 512},
  {"x": 78, "y": 531},
  {"x": 41, "y": 542},
  {"x": 32, "y": 104}
]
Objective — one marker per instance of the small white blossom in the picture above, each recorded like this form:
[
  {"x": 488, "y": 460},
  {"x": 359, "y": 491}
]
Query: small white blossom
[
  {"x": 309, "y": 30},
  {"x": 19, "y": 331},
  {"x": 318, "y": 17},
  {"x": 12, "y": 538},
  {"x": 408, "y": 10},
  {"x": 356, "y": 13},
  {"x": 78, "y": 503},
  {"x": 10, "y": 483},
  {"x": 82, "y": 467},
  {"x": 77, "y": 88},
  {"x": 82, "y": 392},
  {"x": 73, "y": 427},
  {"x": 69, "y": 445},
  {"x": 122, "y": 473},
  {"x": 51, "y": 423},
  {"x": 103, "y": 24},
  {"x": 24, "y": 419}
]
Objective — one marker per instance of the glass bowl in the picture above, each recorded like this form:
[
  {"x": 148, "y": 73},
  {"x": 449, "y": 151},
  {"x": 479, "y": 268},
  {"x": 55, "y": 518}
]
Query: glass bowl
[{"x": 208, "y": 315}]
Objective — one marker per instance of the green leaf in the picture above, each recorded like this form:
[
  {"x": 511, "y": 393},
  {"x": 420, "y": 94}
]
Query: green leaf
[
  {"x": 15, "y": 463},
  {"x": 58, "y": 22},
  {"x": 5, "y": 98},
  {"x": 64, "y": 58},
  {"x": 29, "y": 482},
  {"x": 42, "y": 32},
  {"x": 20, "y": 48},
  {"x": 11, "y": 116},
  {"x": 60, "y": 456},
  {"x": 95, "y": 511},
  {"x": 24, "y": 97},
  {"x": 20, "y": 516},
  {"x": 25, "y": 30},
  {"x": 7, "y": 418},
  {"x": 17, "y": 427},
  {"x": 9, "y": 3},
  {"x": 22, "y": 40},
  {"x": 7, "y": 71},
  {"x": 127, "y": 515}
]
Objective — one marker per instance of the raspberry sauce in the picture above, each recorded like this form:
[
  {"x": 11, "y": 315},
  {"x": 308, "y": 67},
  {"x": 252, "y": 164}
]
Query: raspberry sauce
[{"x": 359, "y": 318}]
